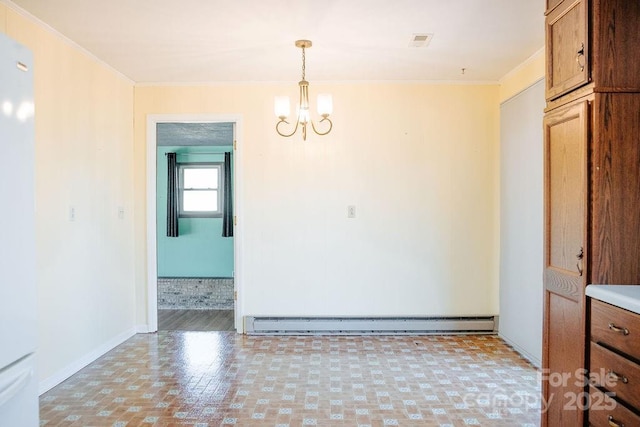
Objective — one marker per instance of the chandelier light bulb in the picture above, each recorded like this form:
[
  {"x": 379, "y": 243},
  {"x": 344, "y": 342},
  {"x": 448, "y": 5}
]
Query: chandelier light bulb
[
  {"x": 282, "y": 107},
  {"x": 303, "y": 116},
  {"x": 325, "y": 104}
]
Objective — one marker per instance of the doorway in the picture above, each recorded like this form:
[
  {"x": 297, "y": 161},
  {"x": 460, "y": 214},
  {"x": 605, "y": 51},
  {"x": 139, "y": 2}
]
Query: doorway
[{"x": 192, "y": 278}]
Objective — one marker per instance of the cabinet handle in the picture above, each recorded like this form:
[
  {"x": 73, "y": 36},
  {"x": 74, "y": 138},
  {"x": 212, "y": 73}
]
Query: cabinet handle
[
  {"x": 614, "y": 328},
  {"x": 617, "y": 377},
  {"x": 579, "y": 263},
  {"x": 614, "y": 423},
  {"x": 580, "y": 54}
]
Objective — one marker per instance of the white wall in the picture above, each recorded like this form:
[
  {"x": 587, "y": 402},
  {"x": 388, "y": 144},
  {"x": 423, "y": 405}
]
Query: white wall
[
  {"x": 419, "y": 162},
  {"x": 521, "y": 222}
]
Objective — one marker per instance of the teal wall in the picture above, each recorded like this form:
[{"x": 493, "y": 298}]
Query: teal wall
[{"x": 200, "y": 250}]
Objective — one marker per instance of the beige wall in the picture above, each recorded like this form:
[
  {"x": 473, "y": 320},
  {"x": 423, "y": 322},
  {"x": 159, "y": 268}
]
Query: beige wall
[
  {"x": 3, "y": 18},
  {"x": 417, "y": 160},
  {"x": 523, "y": 76},
  {"x": 84, "y": 150}
]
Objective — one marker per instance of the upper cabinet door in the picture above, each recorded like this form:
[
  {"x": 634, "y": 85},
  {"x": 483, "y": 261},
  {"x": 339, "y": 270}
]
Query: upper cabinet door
[{"x": 567, "y": 48}]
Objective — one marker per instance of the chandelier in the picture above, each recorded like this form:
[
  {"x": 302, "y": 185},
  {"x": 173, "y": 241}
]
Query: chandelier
[{"x": 282, "y": 106}]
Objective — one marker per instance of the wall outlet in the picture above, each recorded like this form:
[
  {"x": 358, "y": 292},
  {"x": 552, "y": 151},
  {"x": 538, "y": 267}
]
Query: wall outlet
[
  {"x": 120, "y": 212},
  {"x": 351, "y": 211},
  {"x": 72, "y": 213}
]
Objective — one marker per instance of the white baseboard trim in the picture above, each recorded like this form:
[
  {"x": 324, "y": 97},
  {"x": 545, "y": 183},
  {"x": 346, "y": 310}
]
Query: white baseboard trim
[
  {"x": 143, "y": 329},
  {"x": 64, "y": 373},
  {"x": 535, "y": 361}
]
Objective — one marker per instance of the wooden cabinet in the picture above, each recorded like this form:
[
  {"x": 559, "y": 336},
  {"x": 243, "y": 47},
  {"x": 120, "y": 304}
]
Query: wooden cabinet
[
  {"x": 592, "y": 183},
  {"x": 613, "y": 367},
  {"x": 615, "y": 211},
  {"x": 592, "y": 229},
  {"x": 592, "y": 41}
]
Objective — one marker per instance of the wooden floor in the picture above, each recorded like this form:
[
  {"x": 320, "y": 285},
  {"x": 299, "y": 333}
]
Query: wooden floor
[{"x": 195, "y": 320}]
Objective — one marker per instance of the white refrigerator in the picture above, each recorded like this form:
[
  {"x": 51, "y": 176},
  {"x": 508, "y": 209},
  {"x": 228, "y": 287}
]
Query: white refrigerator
[{"x": 18, "y": 328}]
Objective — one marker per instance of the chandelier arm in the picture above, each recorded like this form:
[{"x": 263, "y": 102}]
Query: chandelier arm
[
  {"x": 327, "y": 119},
  {"x": 283, "y": 134}
]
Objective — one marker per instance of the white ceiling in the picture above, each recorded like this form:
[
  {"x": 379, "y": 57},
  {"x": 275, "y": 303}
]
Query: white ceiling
[{"x": 189, "y": 41}]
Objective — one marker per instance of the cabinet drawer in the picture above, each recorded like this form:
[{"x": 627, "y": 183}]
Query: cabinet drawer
[
  {"x": 615, "y": 327},
  {"x": 605, "y": 411},
  {"x": 615, "y": 373}
]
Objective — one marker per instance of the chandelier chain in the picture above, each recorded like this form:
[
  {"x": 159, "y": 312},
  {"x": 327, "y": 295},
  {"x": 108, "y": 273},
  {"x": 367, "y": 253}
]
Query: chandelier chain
[{"x": 303, "y": 63}]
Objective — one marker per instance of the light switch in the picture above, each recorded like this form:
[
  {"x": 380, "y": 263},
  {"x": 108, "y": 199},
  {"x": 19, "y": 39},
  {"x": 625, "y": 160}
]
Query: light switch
[{"x": 120, "y": 212}]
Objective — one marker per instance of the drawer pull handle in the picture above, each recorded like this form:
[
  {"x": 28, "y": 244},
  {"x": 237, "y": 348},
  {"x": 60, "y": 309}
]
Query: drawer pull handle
[
  {"x": 614, "y": 328},
  {"x": 617, "y": 377},
  {"x": 614, "y": 423}
]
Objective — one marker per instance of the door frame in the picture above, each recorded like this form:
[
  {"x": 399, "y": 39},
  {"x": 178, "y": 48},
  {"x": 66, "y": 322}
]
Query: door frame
[{"x": 152, "y": 241}]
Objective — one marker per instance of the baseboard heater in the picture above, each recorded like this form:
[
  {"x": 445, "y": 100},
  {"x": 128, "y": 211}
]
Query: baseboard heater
[{"x": 369, "y": 325}]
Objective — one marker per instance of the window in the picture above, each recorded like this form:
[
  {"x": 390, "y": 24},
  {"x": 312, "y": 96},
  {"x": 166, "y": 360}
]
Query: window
[{"x": 200, "y": 190}]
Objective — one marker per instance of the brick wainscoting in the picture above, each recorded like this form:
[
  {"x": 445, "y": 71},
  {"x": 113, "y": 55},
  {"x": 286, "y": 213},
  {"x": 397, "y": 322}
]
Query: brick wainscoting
[{"x": 195, "y": 293}]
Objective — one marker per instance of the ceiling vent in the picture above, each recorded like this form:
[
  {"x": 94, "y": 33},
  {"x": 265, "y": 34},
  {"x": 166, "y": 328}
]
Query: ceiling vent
[{"x": 420, "y": 39}]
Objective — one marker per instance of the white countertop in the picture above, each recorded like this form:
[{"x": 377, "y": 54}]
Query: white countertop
[{"x": 623, "y": 296}]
